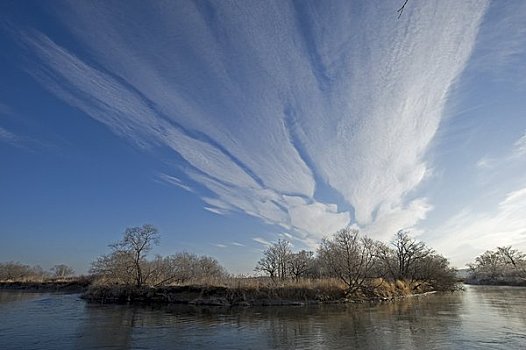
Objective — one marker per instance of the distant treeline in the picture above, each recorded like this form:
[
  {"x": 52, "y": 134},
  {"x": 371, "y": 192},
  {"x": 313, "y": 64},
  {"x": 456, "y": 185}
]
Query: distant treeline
[
  {"x": 18, "y": 272},
  {"x": 502, "y": 266}
]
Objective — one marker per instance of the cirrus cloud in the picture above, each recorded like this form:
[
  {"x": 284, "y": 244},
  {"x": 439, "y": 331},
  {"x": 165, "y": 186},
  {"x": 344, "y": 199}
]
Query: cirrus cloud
[{"x": 269, "y": 103}]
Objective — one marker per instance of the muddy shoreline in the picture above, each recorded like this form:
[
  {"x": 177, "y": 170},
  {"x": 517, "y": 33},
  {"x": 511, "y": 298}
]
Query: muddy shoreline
[{"x": 75, "y": 286}]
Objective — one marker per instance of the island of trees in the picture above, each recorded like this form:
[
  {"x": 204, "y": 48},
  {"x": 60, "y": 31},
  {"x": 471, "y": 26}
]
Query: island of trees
[
  {"x": 502, "y": 266},
  {"x": 346, "y": 267}
]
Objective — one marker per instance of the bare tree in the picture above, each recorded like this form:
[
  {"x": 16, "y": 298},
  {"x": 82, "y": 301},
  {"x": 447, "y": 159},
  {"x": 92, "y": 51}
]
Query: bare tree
[
  {"x": 14, "y": 271},
  {"x": 408, "y": 252},
  {"x": 116, "y": 267},
  {"x": 275, "y": 260},
  {"x": 128, "y": 257},
  {"x": 514, "y": 260},
  {"x": 386, "y": 264},
  {"x": 504, "y": 263},
  {"x": 137, "y": 242},
  {"x": 184, "y": 267},
  {"x": 301, "y": 263},
  {"x": 209, "y": 267},
  {"x": 434, "y": 269},
  {"x": 488, "y": 265},
  {"x": 62, "y": 270},
  {"x": 348, "y": 257},
  {"x": 268, "y": 264}
]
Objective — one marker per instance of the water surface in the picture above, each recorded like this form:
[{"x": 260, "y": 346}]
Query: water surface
[{"x": 479, "y": 318}]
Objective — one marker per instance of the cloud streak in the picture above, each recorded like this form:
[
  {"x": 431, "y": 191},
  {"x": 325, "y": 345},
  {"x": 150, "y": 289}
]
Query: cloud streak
[
  {"x": 8, "y": 137},
  {"x": 478, "y": 232},
  {"x": 264, "y": 120}
]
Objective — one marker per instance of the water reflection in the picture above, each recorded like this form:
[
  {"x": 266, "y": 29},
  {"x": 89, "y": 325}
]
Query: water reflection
[
  {"x": 506, "y": 301},
  {"x": 480, "y": 318},
  {"x": 14, "y": 296},
  {"x": 107, "y": 327},
  {"x": 494, "y": 316},
  {"x": 407, "y": 324}
]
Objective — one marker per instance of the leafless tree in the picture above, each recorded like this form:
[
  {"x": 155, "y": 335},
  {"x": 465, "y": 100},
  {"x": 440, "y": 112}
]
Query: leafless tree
[
  {"x": 513, "y": 259},
  {"x": 434, "y": 269},
  {"x": 301, "y": 263},
  {"x": 488, "y": 265},
  {"x": 504, "y": 263},
  {"x": 15, "y": 271},
  {"x": 268, "y": 264},
  {"x": 208, "y": 267},
  {"x": 184, "y": 267},
  {"x": 408, "y": 253},
  {"x": 128, "y": 258},
  {"x": 137, "y": 242},
  {"x": 116, "y": 267},
  {"x": 348, "y": 257},
  {"x": 386, "y": 262},
  {"x": 62, "y": 270},
  {"x": 275, "y": 260}
]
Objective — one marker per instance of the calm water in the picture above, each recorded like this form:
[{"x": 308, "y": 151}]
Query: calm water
[{"x": 479, "y": 318}]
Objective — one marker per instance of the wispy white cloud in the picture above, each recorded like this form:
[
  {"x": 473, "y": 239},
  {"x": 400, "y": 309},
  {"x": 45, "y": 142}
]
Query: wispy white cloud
[
  {"x": 392, "y": 219},
  {"x": 237, "y": 244},
  {"x": 261, "y": 241},
  {"x": 216, "y": 210},
  {"x": 512, "y": 157},
  {"x": 175, "y": 181},
  {"x": 485, "y": 163},
  {"x": 501, "y": 44},
  {"x": 468, "y": 234},
  {"x": 352, "y": 99},
  {"x": 371, "y": 142},
  {"x": 22, "y": 141},
  {"x": 286, "y": 235},
  {"x": 8, "y": 137},
  {"x": 317, "y": 218},
  {"x": 519, "y": 149},
  {"x": 219, "y": 245}
]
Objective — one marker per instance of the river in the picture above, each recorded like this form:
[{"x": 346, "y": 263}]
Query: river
[{"x": 481, "y": 317}]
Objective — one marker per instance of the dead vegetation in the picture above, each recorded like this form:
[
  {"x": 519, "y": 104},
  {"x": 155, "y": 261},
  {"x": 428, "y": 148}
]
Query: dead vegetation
[{"x": 255, "y": 292}]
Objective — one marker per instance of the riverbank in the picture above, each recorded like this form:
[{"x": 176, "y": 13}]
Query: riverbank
[
  {"x": 499, "y": 281},
  {"x": 253, "y": 294},
  {"x": 80, "y": 285}
]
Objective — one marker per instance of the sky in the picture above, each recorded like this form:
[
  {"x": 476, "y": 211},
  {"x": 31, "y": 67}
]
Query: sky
[{"x": 231, "y": 124}]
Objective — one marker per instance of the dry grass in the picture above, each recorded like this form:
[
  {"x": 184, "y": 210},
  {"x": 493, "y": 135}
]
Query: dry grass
[
  {"x": 255, "y": 291},
  {"x": 263, "y": 288}
]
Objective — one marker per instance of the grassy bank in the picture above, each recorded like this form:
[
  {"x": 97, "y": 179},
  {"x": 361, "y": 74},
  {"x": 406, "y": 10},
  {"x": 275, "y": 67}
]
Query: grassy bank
[{"x": 255, "y": 292}]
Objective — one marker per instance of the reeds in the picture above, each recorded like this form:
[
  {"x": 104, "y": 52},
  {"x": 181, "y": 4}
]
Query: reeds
[{"x": 228, "y": 291}]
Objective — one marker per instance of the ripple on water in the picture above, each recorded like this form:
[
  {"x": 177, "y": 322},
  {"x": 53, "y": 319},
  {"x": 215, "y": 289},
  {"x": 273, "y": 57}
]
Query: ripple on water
[{"x": 479, "y": 318}]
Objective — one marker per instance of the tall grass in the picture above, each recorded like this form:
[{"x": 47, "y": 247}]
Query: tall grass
[{"x": 257, "y": 291}]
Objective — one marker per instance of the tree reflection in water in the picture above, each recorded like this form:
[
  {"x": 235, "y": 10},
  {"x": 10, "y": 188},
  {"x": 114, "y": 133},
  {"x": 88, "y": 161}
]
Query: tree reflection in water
[
  {"x": 408, "y": 324},
  {"x": 481, "y": 317}
]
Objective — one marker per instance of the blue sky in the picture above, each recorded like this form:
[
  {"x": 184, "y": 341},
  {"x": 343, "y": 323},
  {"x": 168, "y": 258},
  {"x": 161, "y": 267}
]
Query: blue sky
[{"x": 231, "y": 124}]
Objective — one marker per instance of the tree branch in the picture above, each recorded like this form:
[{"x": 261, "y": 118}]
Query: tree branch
[{"x": 401, "y": 9}]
